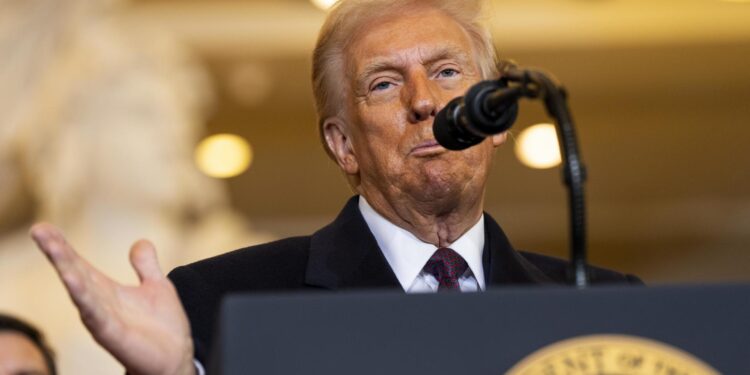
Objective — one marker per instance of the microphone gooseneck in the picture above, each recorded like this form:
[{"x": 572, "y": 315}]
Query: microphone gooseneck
[{"x": 491, "y": 107}]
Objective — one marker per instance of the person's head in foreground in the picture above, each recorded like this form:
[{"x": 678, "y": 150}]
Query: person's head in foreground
[{"x": 23, "y": 350}]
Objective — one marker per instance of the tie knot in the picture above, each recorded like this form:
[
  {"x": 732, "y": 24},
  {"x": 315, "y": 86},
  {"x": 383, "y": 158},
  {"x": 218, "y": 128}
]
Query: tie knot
[{"x": 447, "y": 267}]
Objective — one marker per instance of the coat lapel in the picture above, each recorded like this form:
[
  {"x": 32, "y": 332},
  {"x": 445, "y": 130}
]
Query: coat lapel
[
  {"x": 505, "y": 264},
  {"x": 345, "y": 255}
]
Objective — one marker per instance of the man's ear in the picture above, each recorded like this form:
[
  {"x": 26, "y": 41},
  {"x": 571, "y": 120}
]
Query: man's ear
[
  {"x": 337, "y": 138},
  {"x": 499, "y": 139}
]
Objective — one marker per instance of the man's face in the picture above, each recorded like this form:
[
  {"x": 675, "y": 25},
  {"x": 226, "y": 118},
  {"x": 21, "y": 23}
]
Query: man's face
[
  {"x": 19, "y": 356},
  {"x": 402, "y": 70}
]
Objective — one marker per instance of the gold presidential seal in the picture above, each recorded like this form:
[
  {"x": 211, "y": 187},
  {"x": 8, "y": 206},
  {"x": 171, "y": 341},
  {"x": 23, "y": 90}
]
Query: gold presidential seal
[{"x": 610, "y": 355}]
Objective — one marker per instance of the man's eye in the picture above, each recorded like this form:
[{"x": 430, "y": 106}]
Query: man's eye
[
  {"x": 382, "y": 86},
  {"x": 449, "y": 72}
]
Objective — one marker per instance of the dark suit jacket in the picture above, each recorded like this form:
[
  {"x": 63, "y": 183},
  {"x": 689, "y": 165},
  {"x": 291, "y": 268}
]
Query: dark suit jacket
[{"x": 341, "y": 256}]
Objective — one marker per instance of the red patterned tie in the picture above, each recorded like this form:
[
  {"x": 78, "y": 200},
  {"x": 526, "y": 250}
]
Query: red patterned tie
[{"x": 447, "y": 267}]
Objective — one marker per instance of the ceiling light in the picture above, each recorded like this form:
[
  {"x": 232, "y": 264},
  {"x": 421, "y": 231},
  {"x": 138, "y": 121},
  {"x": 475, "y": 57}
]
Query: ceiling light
[
  {"x": 324, "y": 4},
  {"x": 223, "y": 155},
  {"x": 537, "y": 147}
]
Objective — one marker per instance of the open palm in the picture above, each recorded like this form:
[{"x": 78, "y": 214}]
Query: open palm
[{"x": 144, "y": 326}]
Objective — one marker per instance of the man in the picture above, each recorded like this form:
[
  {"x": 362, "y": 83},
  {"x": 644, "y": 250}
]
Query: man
[
  {"x": 23, "y": 350},
  {"x": 382, "y": 69}
]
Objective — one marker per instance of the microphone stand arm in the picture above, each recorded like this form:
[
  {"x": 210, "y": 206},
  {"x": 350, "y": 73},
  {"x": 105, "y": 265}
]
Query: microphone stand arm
[{"x": 533, "y": 84}]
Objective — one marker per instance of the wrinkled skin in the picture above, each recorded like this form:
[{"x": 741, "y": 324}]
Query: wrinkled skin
[
  {"x": 401, "y": 71},
  {"x": 143, "y": 326}
]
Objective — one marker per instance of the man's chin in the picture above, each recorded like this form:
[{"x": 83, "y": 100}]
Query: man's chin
[
  {"x": 440, "y": 188},
  {"x": 446, "y": 177}
]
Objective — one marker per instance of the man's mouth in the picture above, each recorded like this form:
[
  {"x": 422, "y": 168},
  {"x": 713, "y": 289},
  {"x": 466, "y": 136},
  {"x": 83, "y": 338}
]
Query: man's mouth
[{"x": 427, "y": 148}]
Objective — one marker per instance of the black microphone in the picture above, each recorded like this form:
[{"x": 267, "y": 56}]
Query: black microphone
[{"x": 489, "y": 107}]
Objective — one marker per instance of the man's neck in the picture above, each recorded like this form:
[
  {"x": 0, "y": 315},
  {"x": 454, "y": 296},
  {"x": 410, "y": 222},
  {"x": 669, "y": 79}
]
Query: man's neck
[
  {"x": 407, "y": 255},
  {"x": 439, "y": 222}
]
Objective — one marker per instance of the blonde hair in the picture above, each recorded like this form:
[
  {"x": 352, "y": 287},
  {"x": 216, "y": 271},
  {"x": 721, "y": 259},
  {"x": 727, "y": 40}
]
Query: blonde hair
[{"x": 348, "y": 17}]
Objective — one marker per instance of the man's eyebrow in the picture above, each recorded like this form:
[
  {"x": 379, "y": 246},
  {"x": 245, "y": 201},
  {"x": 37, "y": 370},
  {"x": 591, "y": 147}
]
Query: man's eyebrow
[
  {"x": 376, "y": 66},
  {"x": 386, "y": 63},
  {"x": 447, "y": 53}
]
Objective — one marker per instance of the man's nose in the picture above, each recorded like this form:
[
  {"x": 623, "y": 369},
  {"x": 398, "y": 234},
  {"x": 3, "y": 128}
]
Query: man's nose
[{"x": 422, "y": 98}]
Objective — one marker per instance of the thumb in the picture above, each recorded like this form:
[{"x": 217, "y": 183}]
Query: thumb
[{"x": 144, "y": 261}]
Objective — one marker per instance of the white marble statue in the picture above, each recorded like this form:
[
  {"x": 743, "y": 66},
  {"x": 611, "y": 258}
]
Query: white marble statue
[{"x": 98, "y": 120}]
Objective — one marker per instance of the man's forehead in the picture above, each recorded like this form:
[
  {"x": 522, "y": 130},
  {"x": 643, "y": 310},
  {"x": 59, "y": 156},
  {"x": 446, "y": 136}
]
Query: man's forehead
[
  {"x": 420, "y": 54},
  {"x": 407, "y": 29},
  {"x": 408, "y": 38}
]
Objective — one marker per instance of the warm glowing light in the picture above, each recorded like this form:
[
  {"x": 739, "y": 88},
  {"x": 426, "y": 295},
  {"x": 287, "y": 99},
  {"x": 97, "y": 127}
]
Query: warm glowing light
[
  {"x": 223, "y": 155},
  {"x": 537, "y": 147},
  {"x": 324, "y": 4}
]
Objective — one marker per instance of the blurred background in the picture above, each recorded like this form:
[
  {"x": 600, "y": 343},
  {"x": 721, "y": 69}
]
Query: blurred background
[{"x": 191, "y": 123}]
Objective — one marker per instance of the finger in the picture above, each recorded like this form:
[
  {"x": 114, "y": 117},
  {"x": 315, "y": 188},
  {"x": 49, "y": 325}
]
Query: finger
[
  {"x": 144, "y": 261},
  {"x": 89, "y": 289},
  {"x": 74, "y": 272},
  {"x": 64, "y": 259},
  {"x": 48, "y": 238}
]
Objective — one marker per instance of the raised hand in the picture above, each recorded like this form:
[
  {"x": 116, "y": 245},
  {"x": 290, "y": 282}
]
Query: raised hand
[{"x": 144, "y": 326}]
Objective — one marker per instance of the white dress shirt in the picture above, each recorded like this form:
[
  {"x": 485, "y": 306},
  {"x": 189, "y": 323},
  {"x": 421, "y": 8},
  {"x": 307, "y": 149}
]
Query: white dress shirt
[{"x": 407, "y": 254}]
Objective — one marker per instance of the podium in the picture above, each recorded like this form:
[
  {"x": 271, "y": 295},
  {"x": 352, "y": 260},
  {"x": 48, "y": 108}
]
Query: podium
[{"x": 673, "y": 330}]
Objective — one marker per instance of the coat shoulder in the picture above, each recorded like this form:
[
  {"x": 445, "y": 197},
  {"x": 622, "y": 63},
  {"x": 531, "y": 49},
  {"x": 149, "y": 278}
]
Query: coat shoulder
[
  {"x": 557, "y": 270},
  {"x": 273, "y": 265}
]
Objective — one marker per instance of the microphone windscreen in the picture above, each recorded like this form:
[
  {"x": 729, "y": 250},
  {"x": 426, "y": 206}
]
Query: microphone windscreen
[{"x": 448, "y": 130}]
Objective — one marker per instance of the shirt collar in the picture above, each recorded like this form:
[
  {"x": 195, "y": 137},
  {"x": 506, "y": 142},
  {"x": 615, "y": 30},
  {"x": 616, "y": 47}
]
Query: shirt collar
[{"x": 407, "y": 254}]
